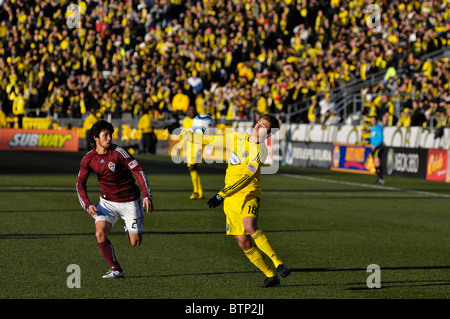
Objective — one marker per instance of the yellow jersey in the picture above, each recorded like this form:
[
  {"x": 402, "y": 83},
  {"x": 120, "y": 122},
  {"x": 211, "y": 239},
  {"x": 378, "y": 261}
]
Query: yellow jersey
[
  {"x": 192, "y": 152},
  {"x": 244, "y": 161}
]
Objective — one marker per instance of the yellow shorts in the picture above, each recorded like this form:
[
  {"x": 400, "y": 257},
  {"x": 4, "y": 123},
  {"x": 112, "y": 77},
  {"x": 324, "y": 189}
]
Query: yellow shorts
[
  {"x": 238, "y": 207},
  {"x": 194, "y": 156}
]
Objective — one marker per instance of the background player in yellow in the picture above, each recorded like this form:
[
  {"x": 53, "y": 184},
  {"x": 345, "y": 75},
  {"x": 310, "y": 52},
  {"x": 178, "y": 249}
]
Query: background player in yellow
[
  {"x": 242, "y": 193},
  {"x": 193, "y": 153}
]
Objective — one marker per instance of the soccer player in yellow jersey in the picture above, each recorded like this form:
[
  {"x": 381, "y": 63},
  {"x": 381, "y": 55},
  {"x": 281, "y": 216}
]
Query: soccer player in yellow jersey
[
  {"x": 242, "y": 193},
  {"x": 193, "y": 153}
]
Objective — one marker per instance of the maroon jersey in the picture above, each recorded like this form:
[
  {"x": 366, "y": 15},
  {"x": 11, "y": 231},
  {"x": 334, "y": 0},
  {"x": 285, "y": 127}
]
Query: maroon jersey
[{"x": 114, "y": 171}]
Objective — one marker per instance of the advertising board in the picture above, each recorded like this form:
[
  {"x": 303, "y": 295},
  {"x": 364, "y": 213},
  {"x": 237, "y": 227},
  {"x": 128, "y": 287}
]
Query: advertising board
[
  {"x": 405, "y": 161},
  {"x": 304, "y": 154},
  {"x": 438, "y": 165},
  {"x": 352, "y": 158},
  {"x": 40, "y": 140}
]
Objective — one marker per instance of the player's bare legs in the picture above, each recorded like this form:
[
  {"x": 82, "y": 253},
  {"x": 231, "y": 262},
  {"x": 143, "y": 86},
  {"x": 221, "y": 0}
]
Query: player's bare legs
[
  {"x": 244, "y": 241},
  {"x": 250, "y": 225},
  {"x": 102, "y": 229}
]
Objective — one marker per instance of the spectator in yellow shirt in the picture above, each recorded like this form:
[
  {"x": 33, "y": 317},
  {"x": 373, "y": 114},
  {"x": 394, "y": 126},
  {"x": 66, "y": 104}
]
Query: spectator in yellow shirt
[
  {"x": 3, "y": 122},
  {"x": 19, "y": 105},
  {"x": 313, "y": 110},
  {"x": 148, "y": 136},
  {"x": 87, "y": 124},
  {"x": 405, "y": 118},
  {"x": 180, "y": 101},
  {"x": 262, "y": 105}
]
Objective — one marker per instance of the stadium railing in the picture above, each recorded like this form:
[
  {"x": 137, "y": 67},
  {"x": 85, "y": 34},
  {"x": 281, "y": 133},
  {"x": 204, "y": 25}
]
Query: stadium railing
[{"x": 344, "y": 96}]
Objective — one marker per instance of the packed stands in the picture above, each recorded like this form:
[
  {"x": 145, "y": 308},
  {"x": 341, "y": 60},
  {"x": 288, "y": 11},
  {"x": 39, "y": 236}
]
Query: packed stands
[{"x": 231, "y": 59}]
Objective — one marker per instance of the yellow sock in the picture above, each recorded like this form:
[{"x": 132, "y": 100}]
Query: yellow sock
[
  {"x": 265, "y": 246},
  {"x": 199, "y": 186},
  {"x": 194, "y": 176},
  {"x": 257, "y": 259}
]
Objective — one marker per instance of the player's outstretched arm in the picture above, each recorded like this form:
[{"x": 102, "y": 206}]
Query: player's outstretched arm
[{"x": 201, "y": 139}]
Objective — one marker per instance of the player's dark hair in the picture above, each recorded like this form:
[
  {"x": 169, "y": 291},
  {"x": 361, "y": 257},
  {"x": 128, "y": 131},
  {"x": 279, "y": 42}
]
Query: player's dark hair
[
  {"x": 274, "y": 123},
  {"x": 98, "y": 127}
]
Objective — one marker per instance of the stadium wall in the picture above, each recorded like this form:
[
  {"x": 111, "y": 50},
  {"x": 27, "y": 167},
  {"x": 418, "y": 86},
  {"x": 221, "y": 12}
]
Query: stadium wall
[
  {"x": 414, "y": 152},
  {"x": 417, "y": 137},
  {"x": 409, "y": 151}
]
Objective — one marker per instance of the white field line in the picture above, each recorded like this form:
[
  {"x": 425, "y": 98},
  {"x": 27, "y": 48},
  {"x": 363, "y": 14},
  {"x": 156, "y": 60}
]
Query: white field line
[{"x": 380, "y": 187}]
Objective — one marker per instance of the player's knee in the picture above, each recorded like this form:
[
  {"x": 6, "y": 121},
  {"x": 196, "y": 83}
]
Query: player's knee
[
  {"x": 101, "y": 236},
  {"x": 244, "y": 242},
  {"x": 251, "y": 230},
  {"x": 136, "y": 242},
  {"x": 250, "y": 225}
]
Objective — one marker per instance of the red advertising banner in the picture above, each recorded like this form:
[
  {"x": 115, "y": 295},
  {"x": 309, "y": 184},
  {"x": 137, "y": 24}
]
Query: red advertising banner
[
  {"x": 437, "y": 165},
  {"x": 39, "y": 140}
]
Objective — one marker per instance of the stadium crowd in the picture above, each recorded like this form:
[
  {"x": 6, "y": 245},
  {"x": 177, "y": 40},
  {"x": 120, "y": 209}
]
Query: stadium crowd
[{"x": 231, "y": 59}]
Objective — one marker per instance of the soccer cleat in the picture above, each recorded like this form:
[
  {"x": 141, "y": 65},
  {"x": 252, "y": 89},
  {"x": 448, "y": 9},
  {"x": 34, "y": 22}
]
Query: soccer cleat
[
  {"x": 193, "y": 196},
  {"x": 380, "y": 181},
  {"x": 283, "y": 270},
  {"x": 114, "y": 274},
  {"x": 270, "y": 282}
]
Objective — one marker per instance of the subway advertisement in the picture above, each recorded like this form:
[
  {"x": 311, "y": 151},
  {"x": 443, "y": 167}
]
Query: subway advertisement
[{"x": 39, "y": 140}]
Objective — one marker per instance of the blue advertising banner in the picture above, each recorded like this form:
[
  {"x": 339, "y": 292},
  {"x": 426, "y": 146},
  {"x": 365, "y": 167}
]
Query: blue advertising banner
[{"x": 352, "y": 158}]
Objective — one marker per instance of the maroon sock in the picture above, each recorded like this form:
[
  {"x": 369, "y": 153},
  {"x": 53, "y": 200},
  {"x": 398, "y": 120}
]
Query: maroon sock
[{"x": 107, "y": 250}]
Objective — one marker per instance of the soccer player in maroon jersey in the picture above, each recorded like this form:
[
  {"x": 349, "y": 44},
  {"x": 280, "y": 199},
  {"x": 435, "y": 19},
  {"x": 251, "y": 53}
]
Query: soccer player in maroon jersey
[{"x": 120, "y": 197}]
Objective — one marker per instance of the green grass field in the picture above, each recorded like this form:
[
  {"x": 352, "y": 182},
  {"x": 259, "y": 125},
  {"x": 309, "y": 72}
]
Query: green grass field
[{"x": 327, "y": 226}]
